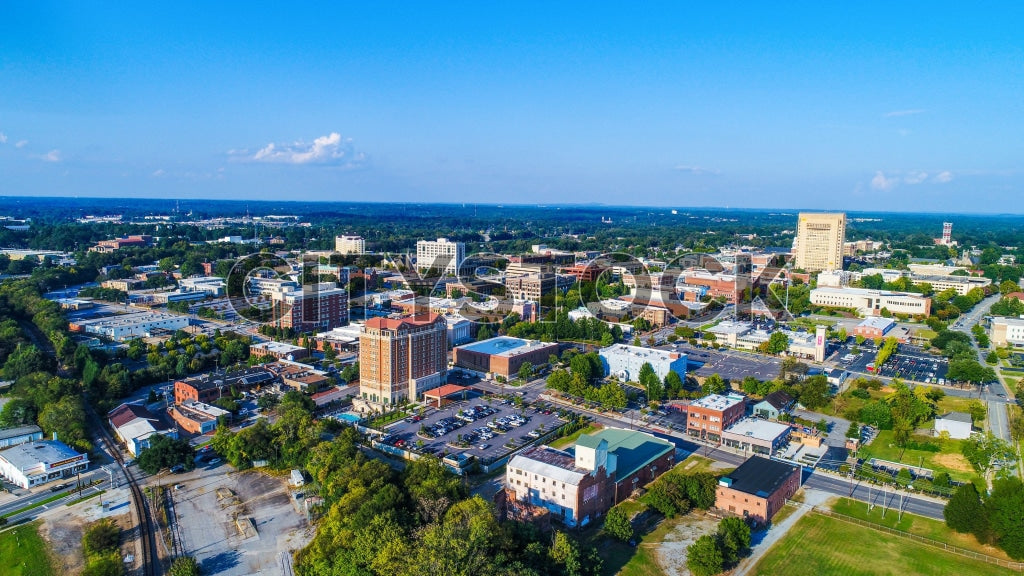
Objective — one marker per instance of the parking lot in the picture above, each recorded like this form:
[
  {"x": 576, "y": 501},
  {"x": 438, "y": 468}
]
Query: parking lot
[
  {"x": 909, "y": 363},
  {"x": 490, "y": 428},
  {"x": 733, "y": 366}
]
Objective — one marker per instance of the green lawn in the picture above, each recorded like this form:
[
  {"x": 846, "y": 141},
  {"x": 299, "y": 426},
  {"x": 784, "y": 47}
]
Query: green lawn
[
  {"x": 23, "y": 552},
  {"x": 571, "y": 438},
  {"x": 918, "y": 525},
  {"x": 695, "y": 463},
  {"x": 819, "y": 544},
  {"x": 953, "y": 404},
  {"x": 948, "y": 459}
]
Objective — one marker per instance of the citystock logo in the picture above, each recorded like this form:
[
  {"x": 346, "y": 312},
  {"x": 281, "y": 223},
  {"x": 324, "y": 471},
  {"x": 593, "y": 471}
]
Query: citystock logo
[{"x": 492, "y": 289}]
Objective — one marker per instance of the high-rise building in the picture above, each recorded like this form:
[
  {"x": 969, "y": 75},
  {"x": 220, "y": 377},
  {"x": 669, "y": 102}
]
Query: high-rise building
[
  {"x": 819, "y": 241},
  {"x": 400, "y": 358},
  {"x": 442, "y": 255},
  {"x": 314, "y": 307},
  {"x": 349, "y": 244}
]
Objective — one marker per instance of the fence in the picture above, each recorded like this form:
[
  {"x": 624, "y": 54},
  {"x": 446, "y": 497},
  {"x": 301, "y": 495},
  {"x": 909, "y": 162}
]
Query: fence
[{"x": 1018, "y": 566}]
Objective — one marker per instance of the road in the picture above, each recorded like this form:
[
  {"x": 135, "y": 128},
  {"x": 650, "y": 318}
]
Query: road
[{"x": 994, "y": 394}]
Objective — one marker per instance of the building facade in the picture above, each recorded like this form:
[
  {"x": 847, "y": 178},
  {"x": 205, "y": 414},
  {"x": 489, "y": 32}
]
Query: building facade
[
  {"x": 503, "y": 355},
  {"x": 441, "y": 255},
  {"x": 320, "y": 308},
  {"x": 709, "y": 416},
  {"x": 346, "y": 244},
  {"x": 819, "y": 241},
  {"x": 871, "y": 302},
  {"x": 626, "y": 361},
  {"x": 34, "y": 463},
  {"x": 1007, "y": 331},
  {"x": 757, "y": 489},
  {"x": 399, "y": 358}
]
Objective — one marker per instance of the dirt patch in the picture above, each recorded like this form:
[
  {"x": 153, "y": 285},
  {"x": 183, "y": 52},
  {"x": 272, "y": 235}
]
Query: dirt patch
[
  {"x": 671, "y": 551},
  {"x": 955, "y": 462},
  {"x": 63, "y": 527}
]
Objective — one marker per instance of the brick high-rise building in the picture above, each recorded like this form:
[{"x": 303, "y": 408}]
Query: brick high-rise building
[
  {"x": 316, "y": 307},
  {"x": 400, "y": 358},
  {"x": 819, "y": 241}
]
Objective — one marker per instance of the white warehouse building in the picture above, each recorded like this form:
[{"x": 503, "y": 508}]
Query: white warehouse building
[
  {"x": 625, "y": 361},
  {"x": 871, "y": 302},
  {"x": 35, "y": 463}
]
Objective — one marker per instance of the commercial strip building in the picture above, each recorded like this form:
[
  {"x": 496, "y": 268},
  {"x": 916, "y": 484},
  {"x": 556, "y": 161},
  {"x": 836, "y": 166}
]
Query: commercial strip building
[
  {"x": 197, "y": 417},
  {"x": 819, "y": 241},
  {"x": 582, "y": 484},
  {"x": 399, "y": 358},
  {"x": 34, "y": 463},
  {"x": 757, "y": 435},
  {"x": 709, "y": 416},
  {"x": 441, "y": 255},
  {"x": 625, "y": 361},
  {"x": 1007, "y": 331},
  {"x": 134, "y": 425},
  {"x": 871, "y": 302},
  {"x": 502, "y": 356},
  {"x": 128, "y": 326},
  {"x": 757, "y": 489},
  {"x": 743, "y": 336},
  {"x": 346, "y": 244}
]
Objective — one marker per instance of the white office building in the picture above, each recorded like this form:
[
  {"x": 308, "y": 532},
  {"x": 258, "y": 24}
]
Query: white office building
[
  {"x": 349, "y": 244},
  {"x": 1007, "y": 331},
  {"x": 871, "y": 302},
  {"x": 128, "y": 326},
  {"x": 441, "y": 254},
  {"x": 625, "y": 361}
]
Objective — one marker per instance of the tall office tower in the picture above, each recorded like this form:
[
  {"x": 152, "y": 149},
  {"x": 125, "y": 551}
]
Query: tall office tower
[
  {"x": 350, "y": 244},
  {"x": 400, "y": 358},
  {"x": 819, "y": 241},
  {"x": 947, "y": 233},
  {"x": 442, "y": 255}
]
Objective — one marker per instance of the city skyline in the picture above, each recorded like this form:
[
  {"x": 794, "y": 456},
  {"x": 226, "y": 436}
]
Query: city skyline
[{"x": 909, "y": 108}]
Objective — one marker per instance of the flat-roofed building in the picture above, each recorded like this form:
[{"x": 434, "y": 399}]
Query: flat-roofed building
[
  {"x": 962, "y": 284},
  {"x": 399, "y": 358},
  {"x": 757, "y": 435},
  {"x": 503, "y": 355},
  {"x": 819, "y": 241},
  {"x": 603, "y": 469},
  {"x": 1007, "y": 331},
  {"x": 19, "y": 435},
  {"x": 874, "y": 327},
  {"x": 757, "y": 489},
  {"x": 278, "y": 350},
  {"x": 129, "y": 326},
  {"x": 871, "y": 302},
  {"x": 441, "y": 255},
  {"x": 349, "y": 244},
  {"x": 626, "y": 361},
  {"x": 34, "y": 463},
  {"x": 709, "y": 416},
  {"x": 197, "y": 417},
  {"x": 213, "y": 385},
  {"x": 316, "y": 307}
]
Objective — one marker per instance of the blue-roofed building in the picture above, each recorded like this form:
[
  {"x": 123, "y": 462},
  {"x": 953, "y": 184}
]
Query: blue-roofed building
[{"x": 502, "y": 356}]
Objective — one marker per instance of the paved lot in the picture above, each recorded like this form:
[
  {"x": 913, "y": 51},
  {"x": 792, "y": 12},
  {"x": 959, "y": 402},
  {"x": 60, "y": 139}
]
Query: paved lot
[
  {"x": 498, "y": 445},
  {"x": 731, "y": 365},
  {"x": 237, "y": 524},
  {"x": 909, "y": 363}
]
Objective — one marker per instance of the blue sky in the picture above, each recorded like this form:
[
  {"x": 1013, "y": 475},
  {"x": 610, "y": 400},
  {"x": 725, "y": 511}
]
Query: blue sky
[{"x": 869, "y": 106}]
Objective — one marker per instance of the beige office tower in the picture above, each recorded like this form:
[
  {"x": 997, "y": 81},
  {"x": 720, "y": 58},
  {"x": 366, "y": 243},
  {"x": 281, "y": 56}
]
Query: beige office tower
[{"x": 819, "y": 241}]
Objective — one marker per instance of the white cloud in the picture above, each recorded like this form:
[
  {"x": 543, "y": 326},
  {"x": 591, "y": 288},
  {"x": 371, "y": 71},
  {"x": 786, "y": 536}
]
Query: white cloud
[
  {"x": 51, "y": 156},
  {"x": 943, "y": 177},
  {"x": 21, "y": 144},
  {"x": 880, "y": 182},
  {"x": 3, "y": 138},
  {"x": 899, "y": 113},
  {"x": 915, "y": 177},
  {"x": 158, "y": 172},
  {"x": 331, "y": 149},
  {"x": 696, "y": 170}
]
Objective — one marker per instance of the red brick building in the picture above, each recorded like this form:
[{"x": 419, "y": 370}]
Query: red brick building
[
  {"x": 502, "y": 356},
  {"x": 209, "y": 387},
  {"x": 399, "y": 358},
  {"x": 757, "y": 489},
  {"x": 709, "y": 416}
]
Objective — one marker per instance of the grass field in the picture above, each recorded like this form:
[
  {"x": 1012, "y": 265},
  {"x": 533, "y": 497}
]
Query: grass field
[
  {"x": 571, "y": 438},
  {"x": 820, "y": 544},
  {"x": 948, "y": 459},
  {"x": 23, "y": 552},
  {"x": 917, "y": 525},
  {"x": 694, "y": 464}
]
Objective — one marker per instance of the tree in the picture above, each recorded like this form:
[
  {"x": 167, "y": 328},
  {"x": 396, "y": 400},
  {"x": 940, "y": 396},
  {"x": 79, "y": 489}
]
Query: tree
[
  {"x": 704, "y": 557},
  {"x": 617, "y": 525},
  {"x": 184, "y": 566},
  {"x": 778, "y": 343},
  {"x": 734, "y": 537},
  {"x": 1003, "y": 509},
  {"x": 164, "y": 452},
  {"x": 101, "y": 536},
  {"x": 982, "y": 451},
  {"x": 649, "y": 381},
  {"x": 526, "y": 371},
  {"x": 814, "y": 392},
  {"x": 713, "y": 384},
  {"x": 673, "y": 384},
  {"x": 977, "y": 410},
  {"x": 25, "y": 360},
  {"x": 559, "y": 380}
]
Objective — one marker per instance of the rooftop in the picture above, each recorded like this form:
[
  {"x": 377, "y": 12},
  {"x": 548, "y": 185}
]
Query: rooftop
[
  {"x": 865, "y": 292},
  {"x": 278, "y": 347},
  {"x": 1008, "y": 321},
  {"x": 758, "y": 428},
  {"x": 877, "y": 322},
  {"x": 245, "y": 378},
  {"x": 778, "y": 399},
  {"x": 760, "y": 476},
  {"x": 6, "y": 433},
  {"x": 717, "y": 402},
  {"x": 505, "y": 346},
  {"x": 957, "y": 417},
  {"x": 29, "y": 455},
  {"x": 632, "y": 449},
  {"x": 550, "y": 463},
  {"x": 639, "y": 352},
  {"x": 413, "y": 321},
  {"x": 125, "y": 413}
]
